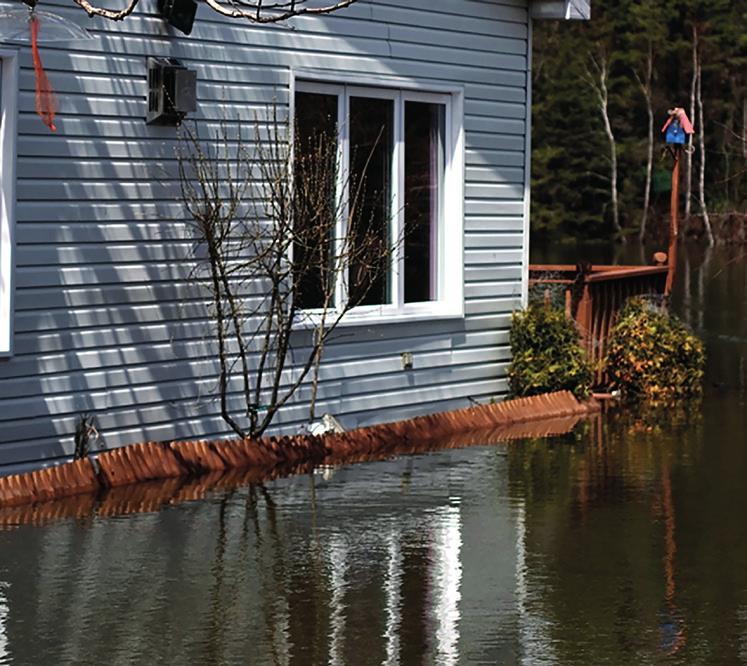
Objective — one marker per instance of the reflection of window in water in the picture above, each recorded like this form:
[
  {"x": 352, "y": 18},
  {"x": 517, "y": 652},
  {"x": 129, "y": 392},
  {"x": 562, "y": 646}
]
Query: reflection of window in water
[
  {"x": 393, "y": 589},
  {"x": 535, "y": 629},
  {"x": 422, "y": 587},
  {"x": 742, "y": 627},
  {"x": 3, "y": 621},
  {"x": 446, "y": 583},
  {"x": 338, "y": 565}
]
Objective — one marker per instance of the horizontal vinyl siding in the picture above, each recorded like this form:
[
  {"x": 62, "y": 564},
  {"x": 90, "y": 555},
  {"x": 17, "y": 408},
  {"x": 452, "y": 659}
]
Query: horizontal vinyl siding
[{"x": 106, "y": 320}]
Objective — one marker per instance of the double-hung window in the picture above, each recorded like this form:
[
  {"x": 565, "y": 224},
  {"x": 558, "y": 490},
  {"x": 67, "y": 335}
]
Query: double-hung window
[{"x": 400, "y": 165}]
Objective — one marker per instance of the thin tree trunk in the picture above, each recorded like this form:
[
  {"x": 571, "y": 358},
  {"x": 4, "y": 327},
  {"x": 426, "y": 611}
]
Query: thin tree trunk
[
  {"x": 646, "y": 88},
  {"x": 727, "y": 155},
  {"x": 701, "y": 142},
  {"x": 598, "y": 82},
  {"x": 687, "y": 297},
  {"x": 613, "y": 163},
  {"x": 690, "y": 139}
]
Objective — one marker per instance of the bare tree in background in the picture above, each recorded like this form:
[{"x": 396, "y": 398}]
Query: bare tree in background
[
  {"x": 597, "y": 76},
  {"x": 691, "y": 138},
  {"x": 254, "y": 11},
  {"x": 646, "y": 85},
  {"x": 268, "y": 231},
  {"x": 702, "y": 151}
]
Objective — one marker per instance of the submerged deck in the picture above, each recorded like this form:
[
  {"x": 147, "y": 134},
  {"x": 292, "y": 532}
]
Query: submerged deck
[{"x": 594, "y": 294}]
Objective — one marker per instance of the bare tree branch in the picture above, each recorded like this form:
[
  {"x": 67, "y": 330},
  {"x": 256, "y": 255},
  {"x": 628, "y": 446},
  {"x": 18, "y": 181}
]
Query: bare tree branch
[
  {"x": 110, "y": 14},
  {"x": 262, "y": 241},
  {"x": 258, "y": 12},
  {"x": 254, "y": 11}
]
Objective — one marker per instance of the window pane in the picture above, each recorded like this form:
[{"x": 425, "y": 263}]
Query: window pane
[
  {"x": 424, "y": 165},
  {"x": 370, "y": 187},
  {"x": 315, "y": 183}
]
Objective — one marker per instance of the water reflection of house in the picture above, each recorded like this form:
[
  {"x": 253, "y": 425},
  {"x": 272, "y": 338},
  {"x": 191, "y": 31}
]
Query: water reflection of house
[
  {"x": 368, "y": 567},
  {"x": 104, "y": 320}
]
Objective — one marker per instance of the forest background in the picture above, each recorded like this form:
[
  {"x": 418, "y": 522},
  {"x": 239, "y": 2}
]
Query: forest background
[{"x": 602, "y": 90}]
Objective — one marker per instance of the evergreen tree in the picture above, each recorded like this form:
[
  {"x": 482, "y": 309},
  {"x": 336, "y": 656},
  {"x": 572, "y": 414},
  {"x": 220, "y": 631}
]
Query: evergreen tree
[{"x": 647, "y": 48}]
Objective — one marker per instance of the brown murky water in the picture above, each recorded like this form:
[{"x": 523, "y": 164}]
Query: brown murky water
[{"x": 622, "y": 543}]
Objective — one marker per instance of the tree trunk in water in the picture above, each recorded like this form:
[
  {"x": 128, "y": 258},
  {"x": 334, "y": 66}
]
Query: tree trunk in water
[
  {"x": 646, "y": 87},
  {"x": 701, "y": 142},
  {"x": 690, "y": 139}
]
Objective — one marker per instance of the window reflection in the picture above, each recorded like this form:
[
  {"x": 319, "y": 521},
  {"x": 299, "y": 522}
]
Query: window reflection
[
  {"x": 424, "y": 167},
  {"x": 315, "y": 176},
  {"x": 371, "y": 148}
]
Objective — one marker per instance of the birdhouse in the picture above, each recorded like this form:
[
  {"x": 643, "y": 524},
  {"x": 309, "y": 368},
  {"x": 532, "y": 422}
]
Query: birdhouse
[{"x": 677, "y": 128}]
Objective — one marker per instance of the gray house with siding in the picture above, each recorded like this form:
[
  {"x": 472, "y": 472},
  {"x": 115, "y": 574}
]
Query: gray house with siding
[{"x": 96, "y": 312}]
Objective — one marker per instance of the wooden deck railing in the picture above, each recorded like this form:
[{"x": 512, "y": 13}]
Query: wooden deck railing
[{"x": 593, "y": 296}]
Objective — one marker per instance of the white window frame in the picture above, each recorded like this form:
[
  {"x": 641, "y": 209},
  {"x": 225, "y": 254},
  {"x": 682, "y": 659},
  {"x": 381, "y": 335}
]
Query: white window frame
[
  {"x": 450, "y": 274},
  {"x": 8, "y": 115}
]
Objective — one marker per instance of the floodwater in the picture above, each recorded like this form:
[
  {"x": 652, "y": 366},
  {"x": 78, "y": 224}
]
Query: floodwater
[{"x": 624, "y": 542}]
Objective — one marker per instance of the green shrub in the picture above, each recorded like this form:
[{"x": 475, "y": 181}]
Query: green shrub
[
  {"x": 547, "y": 355},
  {"x": 652, "y": 356}
]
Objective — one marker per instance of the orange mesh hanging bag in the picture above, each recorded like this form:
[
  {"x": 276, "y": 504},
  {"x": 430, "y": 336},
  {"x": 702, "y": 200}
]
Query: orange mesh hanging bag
[{"x": 46, "y": 102}]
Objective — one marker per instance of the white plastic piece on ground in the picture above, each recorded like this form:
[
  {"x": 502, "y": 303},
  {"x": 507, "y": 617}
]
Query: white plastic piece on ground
[{"x": 327, "y": 423}]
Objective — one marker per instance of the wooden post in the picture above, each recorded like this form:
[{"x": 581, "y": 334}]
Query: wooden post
[
  {"x": 674, "y": 222},
  {"x": 584, "y": 318}
]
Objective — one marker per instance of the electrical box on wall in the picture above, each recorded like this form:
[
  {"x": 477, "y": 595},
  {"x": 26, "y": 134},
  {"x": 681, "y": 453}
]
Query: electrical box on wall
[{"x": 172, "y": 91}]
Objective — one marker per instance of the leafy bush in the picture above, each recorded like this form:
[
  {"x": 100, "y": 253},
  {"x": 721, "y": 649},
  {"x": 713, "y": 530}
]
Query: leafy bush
[
  {"x": 547, "y": 355},
  {"x": 653, "y": 356}
]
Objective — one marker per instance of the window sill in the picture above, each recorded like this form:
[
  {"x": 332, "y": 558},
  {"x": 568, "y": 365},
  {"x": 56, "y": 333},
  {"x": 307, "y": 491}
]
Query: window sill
[{"x": 367, "y": 316}]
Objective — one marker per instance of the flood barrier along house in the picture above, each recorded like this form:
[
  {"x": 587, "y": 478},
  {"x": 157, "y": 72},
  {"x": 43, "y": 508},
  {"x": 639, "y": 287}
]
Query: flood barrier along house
[{"x": 97, "y": 311}]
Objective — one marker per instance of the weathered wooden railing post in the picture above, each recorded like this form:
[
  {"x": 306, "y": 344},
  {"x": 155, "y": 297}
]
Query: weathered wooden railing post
[{"x": 674, "y": 221}]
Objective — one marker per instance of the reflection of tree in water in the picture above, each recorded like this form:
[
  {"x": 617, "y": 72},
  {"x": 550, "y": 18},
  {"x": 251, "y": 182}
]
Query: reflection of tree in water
[
  {"x": 322, "y": 593},
  {"x": 218, "y": 604},
  {"x": 591, "y": 543},
  {"x": 672, "y": 627}
]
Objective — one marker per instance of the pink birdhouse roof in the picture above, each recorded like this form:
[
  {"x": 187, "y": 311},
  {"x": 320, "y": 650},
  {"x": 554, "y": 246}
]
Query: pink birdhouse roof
[{"x": 685, "y": 123}]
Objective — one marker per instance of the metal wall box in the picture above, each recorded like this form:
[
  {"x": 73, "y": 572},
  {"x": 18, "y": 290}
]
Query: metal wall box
[
  {"x": 179, "y": 13},
  {"x": 172, "y": 91}
]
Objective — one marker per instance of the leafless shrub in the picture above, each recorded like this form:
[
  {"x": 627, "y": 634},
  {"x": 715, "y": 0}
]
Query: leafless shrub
[{"x": 278, "y": 251}]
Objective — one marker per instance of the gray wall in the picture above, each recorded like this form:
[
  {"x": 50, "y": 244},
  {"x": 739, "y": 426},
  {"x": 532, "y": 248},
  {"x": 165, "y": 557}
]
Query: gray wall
[{"x": 104, "y": 319}]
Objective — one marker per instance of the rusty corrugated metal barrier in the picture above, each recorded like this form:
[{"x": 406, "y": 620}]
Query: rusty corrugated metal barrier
[{"x": 144, "y": 477}]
